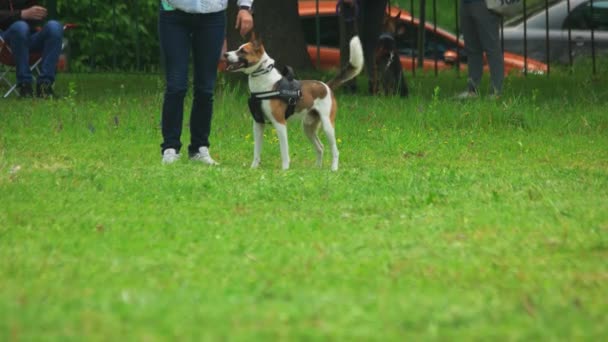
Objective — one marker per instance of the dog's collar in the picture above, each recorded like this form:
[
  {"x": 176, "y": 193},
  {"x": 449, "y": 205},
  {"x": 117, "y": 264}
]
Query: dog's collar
[
  {"x": 261, "y": 70},
  {"x": 387, "y": 36}
]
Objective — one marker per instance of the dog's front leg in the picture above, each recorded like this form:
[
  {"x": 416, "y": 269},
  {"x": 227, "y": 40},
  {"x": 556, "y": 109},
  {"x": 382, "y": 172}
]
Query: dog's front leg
[
  {"x": 258, "y": 139},
  {"x": 283, "y": 144}
]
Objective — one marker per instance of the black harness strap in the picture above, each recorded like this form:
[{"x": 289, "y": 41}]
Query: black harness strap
[{"x": 287, "y": 89}]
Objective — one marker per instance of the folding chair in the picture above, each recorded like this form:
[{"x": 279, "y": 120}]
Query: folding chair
[{"x": 7, "y": 62}]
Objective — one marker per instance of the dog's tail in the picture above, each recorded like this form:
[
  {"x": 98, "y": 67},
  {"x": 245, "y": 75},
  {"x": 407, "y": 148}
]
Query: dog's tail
[{"x": 354, "y": 67}]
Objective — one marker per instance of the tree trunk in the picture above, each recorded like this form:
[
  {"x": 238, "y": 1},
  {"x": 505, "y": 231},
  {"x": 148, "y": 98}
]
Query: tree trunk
[{"x": 278, "y": 24}]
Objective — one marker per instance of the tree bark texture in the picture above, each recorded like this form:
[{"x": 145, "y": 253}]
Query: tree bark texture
[{"x": 278, "y": 24}]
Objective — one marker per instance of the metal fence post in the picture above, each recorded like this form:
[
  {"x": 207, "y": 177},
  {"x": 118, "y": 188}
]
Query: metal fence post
[
  {"x": 137, "y": 42},
  {"x": 525, "y": 40},
  {"x": 113, "y": 34},
  {"x": 436, "y": 57},
  {"x": 413, "y": 49},
  {"x": 570, "y": 62},
  {"x": 457, "y": 38},
  {"x": 421, "y": 34},
  {"x": 93, "y": 53},
  {"x": 547, "y": 47},
  {"x": 318, "y": 28},
  {"x": 593, "y": 39}
]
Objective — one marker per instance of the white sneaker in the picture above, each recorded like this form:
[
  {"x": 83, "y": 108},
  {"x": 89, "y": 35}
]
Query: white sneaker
[
  {"x": 203, "y": 156},
  {"x": 493, "y": 97},
  {"x": 170, "y": 156},
  {"x": 467, "y": 95}
]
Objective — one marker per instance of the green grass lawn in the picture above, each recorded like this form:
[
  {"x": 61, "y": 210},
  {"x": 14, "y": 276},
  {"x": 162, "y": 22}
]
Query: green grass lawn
[{"x": 447, "y": 220}]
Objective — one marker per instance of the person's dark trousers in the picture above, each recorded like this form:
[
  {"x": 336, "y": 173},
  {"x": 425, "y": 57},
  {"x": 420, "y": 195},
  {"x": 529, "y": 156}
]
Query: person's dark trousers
[
  {"x": 348, "y": 28},
  {"x": 370, "y": 23},
  {"x": 480, "y": 29},
  {"x": 180, "y": 34},
  {"x": 23, "y": 41}
]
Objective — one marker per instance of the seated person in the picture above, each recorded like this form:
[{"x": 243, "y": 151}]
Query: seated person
[{"x": 20, "y": 23}]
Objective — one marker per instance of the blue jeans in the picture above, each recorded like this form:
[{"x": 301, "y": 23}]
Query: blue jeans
[
  {"x": 24, "y": 41},
  {"x": 180, "y": 33}
]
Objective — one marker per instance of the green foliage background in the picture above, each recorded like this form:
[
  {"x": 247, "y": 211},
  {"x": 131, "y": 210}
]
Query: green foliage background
[{"x": 112, "y": 35}]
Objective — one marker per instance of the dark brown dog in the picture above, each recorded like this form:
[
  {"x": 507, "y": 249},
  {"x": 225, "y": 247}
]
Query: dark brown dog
[{"x": 389, "y": 76}]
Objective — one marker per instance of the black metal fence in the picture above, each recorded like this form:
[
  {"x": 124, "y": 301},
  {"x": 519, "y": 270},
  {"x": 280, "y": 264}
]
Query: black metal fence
[
  {"x": 569, "y": 30},
  {"x": 120, "y": 35}
]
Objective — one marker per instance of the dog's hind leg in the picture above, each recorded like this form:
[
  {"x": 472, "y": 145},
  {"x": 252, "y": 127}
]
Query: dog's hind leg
[
  {"x": 330, "y": 132},
  {"x": 311, "y": 124},
  {"x": 258, "y": 138}
]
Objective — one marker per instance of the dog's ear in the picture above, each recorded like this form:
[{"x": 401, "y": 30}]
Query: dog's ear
[
  {"x": 255, "y": 39},
  {"x": 400, "y": 30},
  {"x": 387, "y": 18},
  {"x": 390, "y": 22}
]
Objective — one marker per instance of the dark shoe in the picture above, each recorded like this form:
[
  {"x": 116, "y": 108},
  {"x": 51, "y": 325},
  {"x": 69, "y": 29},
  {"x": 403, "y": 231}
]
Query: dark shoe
[
  {"x": 44, "y": 90},
  {"x": 25, "y": 90}
]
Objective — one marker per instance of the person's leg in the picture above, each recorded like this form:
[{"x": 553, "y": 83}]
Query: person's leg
[
  {"x": 489, "y": 37},
  {"x": 347, "y": 22},
  {"x": 175, "y": 48},
  {"x": 207, "y": 40},
  {"x": 472, "y": 44},
  {"x": 17, "y": 36},
  {"x": 372, "y": 16},
  {"x": 48, "y": 41}
]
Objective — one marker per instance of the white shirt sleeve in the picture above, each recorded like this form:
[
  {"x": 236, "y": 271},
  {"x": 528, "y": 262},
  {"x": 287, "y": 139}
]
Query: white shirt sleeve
[{"x": 245, "y": 2}]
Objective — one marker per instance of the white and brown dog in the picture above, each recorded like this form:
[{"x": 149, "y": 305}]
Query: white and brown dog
[{"x": 316, "y": 106}]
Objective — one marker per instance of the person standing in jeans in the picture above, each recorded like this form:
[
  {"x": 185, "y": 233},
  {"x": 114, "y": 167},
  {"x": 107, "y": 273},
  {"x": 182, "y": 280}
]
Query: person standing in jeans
[
  {"x": 23, "y": 28},
  {"x": 203, "y": 34},
  {"x": 363, "y": 17},
  {"x": 480, "y": 28}
]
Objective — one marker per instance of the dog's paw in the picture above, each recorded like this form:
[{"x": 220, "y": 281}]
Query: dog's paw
[
  {"x": 255, "y": 164},
  {"x": 334, "y": 165}
]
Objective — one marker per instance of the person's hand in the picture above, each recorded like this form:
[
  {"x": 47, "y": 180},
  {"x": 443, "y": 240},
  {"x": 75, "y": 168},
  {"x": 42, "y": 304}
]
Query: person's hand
[
  {"x": 244, "y": 22},
  {"x": 34, "y": 13}
]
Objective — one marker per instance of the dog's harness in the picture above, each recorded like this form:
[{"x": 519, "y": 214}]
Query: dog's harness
[
  {"x": 391, "y": 58},
  {"x": 287, "y": 89},
  {"x": 386, "y": 36},
  {"x": 389, "y": 39}
]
